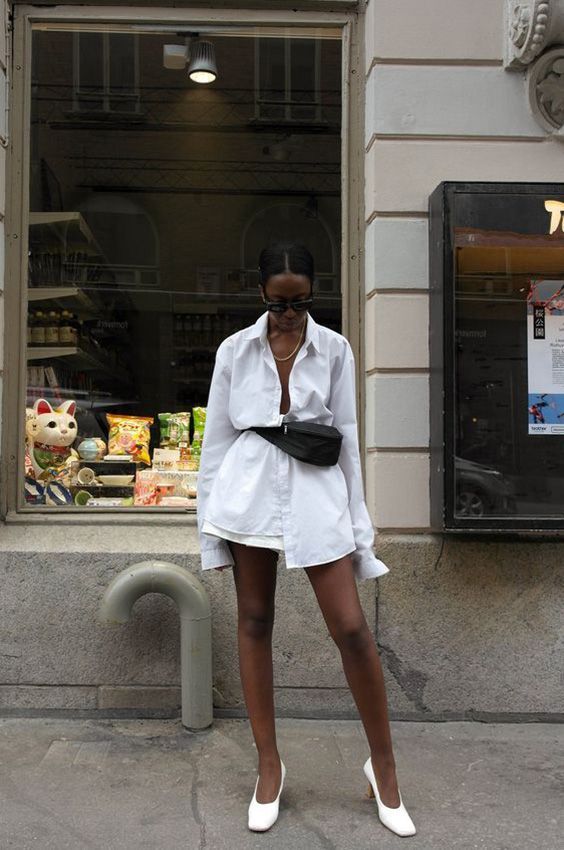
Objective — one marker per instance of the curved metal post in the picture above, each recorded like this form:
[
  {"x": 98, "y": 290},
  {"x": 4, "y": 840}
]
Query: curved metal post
[{"x": 195, "y": 627}]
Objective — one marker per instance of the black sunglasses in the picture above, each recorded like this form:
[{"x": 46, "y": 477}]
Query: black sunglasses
[{"x": 282, "y": 306}]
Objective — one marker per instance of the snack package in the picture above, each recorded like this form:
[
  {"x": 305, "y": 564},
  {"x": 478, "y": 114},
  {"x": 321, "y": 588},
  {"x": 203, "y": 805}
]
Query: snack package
[
  {"x": 185, "y": 460},
  {"x": 199, "y": 414},
  {"x": 164, "y": 424},
  {"x": 179, "y": 428},
  {"x": 145, "y": 490},
  {"x": 164, "y": 459},
  {"x": 130, "y": 435}
]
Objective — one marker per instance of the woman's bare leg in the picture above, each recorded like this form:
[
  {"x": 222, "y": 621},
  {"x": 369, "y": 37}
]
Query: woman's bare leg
[
  {"x": 255, "y": 575},
  {"x": 335, "y": 587}
]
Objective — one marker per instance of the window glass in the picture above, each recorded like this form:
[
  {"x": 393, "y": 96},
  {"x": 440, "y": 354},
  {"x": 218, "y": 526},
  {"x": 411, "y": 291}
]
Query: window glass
[
  {"x": 151, "y": 197},
  {"x": 508, "y": 398},
  {"x": 288, "y": 79}
]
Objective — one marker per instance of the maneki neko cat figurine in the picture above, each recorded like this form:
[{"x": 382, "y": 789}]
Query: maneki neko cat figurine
[{"x": 51, "y": 432}]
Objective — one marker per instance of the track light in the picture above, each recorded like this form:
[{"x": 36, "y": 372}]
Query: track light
[
  {"x": 202, "y": 68},
  {"x": 198, "y": 53}
]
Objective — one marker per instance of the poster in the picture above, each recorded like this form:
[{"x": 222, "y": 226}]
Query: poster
[
  {"x": 545, "y": 356},
  {"x": 208, "y": 279}
]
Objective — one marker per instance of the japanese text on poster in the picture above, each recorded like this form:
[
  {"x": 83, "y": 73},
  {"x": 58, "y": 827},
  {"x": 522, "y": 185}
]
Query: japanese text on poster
[{"x": 545, "y": 356}]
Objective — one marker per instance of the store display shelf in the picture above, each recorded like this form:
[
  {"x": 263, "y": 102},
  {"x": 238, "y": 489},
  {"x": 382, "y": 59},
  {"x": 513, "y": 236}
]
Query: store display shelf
[
  {"x": 69, "y": 228},
  {"x": 78, "y": 357},
  {"x": 182, "y": 301},
  {"x": 96, "y": 487},
  {"x": 48, "y": 352},
  {"x": 81, "y": 303},
  {"x": 70, "y": 391}
]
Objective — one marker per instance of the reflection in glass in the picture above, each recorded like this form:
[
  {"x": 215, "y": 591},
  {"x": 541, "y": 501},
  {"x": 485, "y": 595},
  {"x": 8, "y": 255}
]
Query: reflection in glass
[
  {"x": 150, "y": 200},
  {"x": 503, "y": 248}
]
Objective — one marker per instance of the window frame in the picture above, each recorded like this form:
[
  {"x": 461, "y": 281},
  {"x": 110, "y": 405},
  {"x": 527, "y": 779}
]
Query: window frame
[
  {"x": 287, "y": 104},
  {"x": 443, "y": 386},
  {"x": 105, "y": 92},
  {"x": 120, "y": 19}
]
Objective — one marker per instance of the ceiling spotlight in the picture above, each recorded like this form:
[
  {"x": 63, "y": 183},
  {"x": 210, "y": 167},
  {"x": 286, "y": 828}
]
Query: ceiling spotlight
[
  {"x": 197, "y": 53},
  {"x": 202, "y": 68}
]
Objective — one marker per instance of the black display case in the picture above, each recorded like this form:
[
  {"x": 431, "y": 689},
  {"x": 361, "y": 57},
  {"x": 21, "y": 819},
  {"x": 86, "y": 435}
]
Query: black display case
[{"x": 496, "y": 413}]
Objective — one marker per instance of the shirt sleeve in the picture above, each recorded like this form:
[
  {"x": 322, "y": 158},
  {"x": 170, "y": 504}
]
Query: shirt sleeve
[
  {"x": 343, "y": 406},
  {"x": 219, "y": 435}
]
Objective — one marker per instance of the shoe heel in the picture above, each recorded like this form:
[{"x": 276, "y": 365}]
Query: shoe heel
[
  {"x": 262, "y": 816},
  {"x": 370, "y": 792},
  {"x": 396, "y": 818}
]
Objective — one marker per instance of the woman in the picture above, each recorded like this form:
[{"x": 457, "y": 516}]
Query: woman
[{"x": 255, "y": 500}]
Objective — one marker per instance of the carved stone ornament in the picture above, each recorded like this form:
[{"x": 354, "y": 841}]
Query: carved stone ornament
[
  {"x": 531, "y": 27},
  {"x": 546, "y": 90}
]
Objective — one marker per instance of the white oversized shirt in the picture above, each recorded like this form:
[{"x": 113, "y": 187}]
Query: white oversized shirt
[{"x": 250, "y": 486}]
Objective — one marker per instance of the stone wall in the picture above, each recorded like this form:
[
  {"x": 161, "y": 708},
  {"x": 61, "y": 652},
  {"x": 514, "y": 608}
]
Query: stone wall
[
  {"x": 466, "y": 629},
  {"x": 461, "y": 624}
]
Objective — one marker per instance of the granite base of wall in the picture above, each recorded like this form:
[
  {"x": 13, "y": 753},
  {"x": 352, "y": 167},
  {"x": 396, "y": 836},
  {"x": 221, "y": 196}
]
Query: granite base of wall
[{"x": 465, "y": 630}]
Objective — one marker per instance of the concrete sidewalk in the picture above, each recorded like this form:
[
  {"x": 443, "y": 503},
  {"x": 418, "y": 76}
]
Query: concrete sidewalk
[{"x": 129, "y": 784}]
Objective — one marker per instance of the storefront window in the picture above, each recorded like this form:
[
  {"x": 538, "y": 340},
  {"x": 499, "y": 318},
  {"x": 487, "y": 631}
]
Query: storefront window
[
  {"x": 497, "y": 385},
  {"x": 151, "y": 196}
]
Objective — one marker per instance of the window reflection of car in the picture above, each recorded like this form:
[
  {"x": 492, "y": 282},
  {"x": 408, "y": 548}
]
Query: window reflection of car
[{"x": 482, "y": 490}]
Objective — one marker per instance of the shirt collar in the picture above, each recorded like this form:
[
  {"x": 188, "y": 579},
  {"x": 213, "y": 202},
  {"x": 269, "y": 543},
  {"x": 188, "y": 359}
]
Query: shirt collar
[{"x": 260, "y": 329}]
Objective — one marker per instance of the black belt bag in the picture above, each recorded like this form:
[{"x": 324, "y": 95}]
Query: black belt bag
[{"x": 309, "y": 442}]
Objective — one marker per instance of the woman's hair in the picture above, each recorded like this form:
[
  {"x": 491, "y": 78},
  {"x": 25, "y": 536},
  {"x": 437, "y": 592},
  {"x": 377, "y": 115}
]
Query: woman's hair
[{"x": 282, "y": 257}]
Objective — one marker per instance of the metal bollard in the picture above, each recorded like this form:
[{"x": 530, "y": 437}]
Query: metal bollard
[{"x": 195, "y": 627}]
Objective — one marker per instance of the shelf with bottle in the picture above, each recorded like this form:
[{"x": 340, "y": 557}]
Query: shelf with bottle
[
  {"x": 247, "y": 300},
  {"x": 52, "y": 328},
  {"x": 53, "y": 335},
  {"x": 71, "y": 296},
  {"x": 63, "y": 250},
  {"x": 203, "y": 331}
]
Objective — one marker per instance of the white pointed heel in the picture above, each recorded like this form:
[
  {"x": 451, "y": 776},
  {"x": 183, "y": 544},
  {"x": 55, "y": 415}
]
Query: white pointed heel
[
  {"x": 397, "y": 819},
  {"x": 263, "y": 815}
]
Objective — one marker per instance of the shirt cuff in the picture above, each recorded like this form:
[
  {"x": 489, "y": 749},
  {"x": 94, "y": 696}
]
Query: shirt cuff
[
  {"x": 216, "y": 555},
  {"x": 367, "y": 565}
]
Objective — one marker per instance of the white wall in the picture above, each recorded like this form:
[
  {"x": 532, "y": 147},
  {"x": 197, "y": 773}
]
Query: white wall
[{"x": 439, "y": 106}]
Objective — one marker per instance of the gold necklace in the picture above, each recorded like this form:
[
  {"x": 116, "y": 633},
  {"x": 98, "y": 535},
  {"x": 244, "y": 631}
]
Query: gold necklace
[{"x": 295, "y": 349}]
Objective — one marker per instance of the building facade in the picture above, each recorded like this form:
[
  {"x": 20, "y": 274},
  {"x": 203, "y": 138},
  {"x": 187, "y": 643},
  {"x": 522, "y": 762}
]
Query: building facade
[{"x": 364, "y": 127}]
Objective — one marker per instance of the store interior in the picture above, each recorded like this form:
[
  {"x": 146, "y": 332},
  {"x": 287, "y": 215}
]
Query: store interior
[{"x": 162, "y": 162}]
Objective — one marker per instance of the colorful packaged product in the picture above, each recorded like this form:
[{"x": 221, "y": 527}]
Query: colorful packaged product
[
  {"x": 180, "y": 428},
  {"x": 199, "y": 414},
  {"x": 164, "y": 425},
  {"x": 145, "y": 490},
  {"x": 130, "y": 435}
]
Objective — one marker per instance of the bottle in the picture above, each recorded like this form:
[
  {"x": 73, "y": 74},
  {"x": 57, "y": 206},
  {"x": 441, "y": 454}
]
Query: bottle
[
  {"x": 38, "y": 329},
  {"x": 30, "y": 322},
  {"x": 82, "y": 333},
  {"x": 67, "y": 331},
  {"x": 52, "y": 329},
  {"x": 75, "y": 328}
]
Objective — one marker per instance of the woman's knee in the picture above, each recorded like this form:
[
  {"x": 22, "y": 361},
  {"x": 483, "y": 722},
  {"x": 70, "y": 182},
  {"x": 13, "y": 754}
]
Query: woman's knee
[
  {"x": 352, "y": 637},
  {"x": 256, "y": 624}
]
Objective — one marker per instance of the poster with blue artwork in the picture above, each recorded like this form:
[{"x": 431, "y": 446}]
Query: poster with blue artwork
[{"x": 545, "y": 356}]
